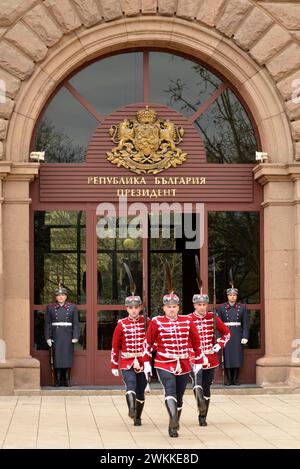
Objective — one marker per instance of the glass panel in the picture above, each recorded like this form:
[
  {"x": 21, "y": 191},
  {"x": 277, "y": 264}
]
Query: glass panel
[
  {"x": 234, "y": 241},
  {"x": 112, "y": 82},
  {"x": 227, "y": 131},
  {"x": 39, "y": 340},
  {"x": 163, "y": 231},
  {"x": 180, "y": 256},
  {"x": 59, "y": 255},
  {"x": 81, "y": 344},
  {"x": 64, "y": 130},
  {"x": 254, "y": 329},
  {"x": 113, "y": 285},
  {"x": 106, "y": 323},
  {"x": 158, "y": 283},
  {"x": 180, "y": 83}
]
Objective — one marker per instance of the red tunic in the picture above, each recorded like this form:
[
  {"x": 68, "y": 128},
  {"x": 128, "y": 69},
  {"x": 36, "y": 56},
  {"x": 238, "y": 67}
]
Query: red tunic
[
  {"x": 205, "y": 328},
  {"x": 128, "y": 338},
  {"x": 171, "y": 338}
]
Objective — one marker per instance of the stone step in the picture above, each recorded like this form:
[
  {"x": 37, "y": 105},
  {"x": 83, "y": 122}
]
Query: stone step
[{"x": 155, "y": 389}]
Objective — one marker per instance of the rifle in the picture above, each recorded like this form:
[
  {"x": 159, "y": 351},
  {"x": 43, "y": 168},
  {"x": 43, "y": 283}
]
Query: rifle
[
  {"x": 51, "y": 364},
  {"x": 215, "y": 319},
  {"x": 223, "y": 367},
  {"x": 132, "y": 287},
  {"x": 214, "y": 302},
  {"x": 146, "y": 324}
]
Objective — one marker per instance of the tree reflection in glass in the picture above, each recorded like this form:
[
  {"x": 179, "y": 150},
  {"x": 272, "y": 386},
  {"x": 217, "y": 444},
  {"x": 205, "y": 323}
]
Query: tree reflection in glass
[{"x": 233, "y": 239}]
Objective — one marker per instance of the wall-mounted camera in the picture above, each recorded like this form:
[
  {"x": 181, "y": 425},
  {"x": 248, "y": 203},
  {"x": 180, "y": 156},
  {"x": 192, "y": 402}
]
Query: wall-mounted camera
[
  {"x": 261, "y": 156},
  {"x": 37, "y": 156}
]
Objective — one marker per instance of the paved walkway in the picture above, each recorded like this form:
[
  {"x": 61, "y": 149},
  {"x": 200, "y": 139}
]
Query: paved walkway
[{"x": 235, "y": 421}]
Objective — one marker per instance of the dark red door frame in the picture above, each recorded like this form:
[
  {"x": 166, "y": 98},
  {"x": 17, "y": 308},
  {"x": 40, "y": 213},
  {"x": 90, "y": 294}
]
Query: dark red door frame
[{"x": 91, "y": 357}]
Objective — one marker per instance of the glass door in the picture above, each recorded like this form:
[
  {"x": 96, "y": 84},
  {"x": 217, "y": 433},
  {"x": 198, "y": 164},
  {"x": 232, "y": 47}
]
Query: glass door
[
  {"x": 59, "y": 238},
  {"x": 170, "y": 244},
  {"x": 114, "y": 246}
]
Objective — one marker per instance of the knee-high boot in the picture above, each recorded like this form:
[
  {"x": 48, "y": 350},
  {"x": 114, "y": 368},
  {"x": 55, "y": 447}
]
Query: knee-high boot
[
  {"x": 198, "y": 393},
  {"x": 235, "y": 377},
  {"x": 228, "y": 376},
  {"x": 202, "y": 419},
  {"x": 139, "y": 410},
  {"x": 179, "y": 410},
  {"x": 171, "y": 405},
  {"x": 67, "y": 377},
  {"x": 57, "y": 376},
  {"x": 131, "y": 402}
]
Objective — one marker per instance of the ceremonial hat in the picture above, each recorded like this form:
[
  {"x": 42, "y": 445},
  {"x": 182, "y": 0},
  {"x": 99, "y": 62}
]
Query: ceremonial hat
[
  {"x": 232, "y": 289},
  {"x": 133, "y": 299},
  {"x": 61, "y": 291},
  {"x": 199, "y": 297},
  {"x": 170, "y": 298}
]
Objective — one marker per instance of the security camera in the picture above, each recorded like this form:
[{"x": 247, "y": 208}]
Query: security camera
[
  {"x": 37, "y": 156},
  {"x": 261, "y": 156}
]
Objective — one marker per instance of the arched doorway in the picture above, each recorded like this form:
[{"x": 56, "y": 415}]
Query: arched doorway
[{"x": 218, "y": 129}]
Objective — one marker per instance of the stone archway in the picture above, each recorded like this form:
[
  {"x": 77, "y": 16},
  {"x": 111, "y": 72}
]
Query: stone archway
[{"x": 253, "y": 82}]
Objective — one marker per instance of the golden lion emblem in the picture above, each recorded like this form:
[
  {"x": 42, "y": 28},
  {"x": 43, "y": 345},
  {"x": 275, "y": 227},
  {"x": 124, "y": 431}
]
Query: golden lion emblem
[{"x": 146, "y": 144}]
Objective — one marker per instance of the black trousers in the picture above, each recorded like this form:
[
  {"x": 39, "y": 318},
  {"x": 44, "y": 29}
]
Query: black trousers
[
  {"x": 204, "y": 378},
  {"x": 135, "y": 382},
  {"x": 173, "y": 385}
]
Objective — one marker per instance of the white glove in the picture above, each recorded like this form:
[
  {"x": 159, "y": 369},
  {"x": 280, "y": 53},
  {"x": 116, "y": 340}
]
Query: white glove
[
  {"x": 244, "y": 341},
  {"x": 216, "y": 348},
  {"x": 147, "y": 369},
  {"x": 115, "y": 372},
  {"x": 196, "y": 368},
  {"x": 49, "y": 342},
  {"x": 74, "y": 341}
]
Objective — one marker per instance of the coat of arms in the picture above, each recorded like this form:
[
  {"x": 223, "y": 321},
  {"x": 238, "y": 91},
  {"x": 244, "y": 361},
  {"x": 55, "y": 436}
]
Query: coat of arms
[{"x": 146, "y": 144}]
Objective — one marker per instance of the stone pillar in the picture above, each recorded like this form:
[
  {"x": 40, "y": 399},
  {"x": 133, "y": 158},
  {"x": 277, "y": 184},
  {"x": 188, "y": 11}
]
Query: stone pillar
[
  {"x": 6, "y": 373},
  {"x": 16, "y": 262},
  {"x": 294, "y": 371},
  {"x": 4, "y": 170},
  {"x": 281, "y": 260}
]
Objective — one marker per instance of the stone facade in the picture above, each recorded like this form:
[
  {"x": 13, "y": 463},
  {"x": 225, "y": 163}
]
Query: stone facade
[{"x": 254, "y": 44}]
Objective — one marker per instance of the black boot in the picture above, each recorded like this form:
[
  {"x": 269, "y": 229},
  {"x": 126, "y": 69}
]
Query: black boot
[
  {"x": 57, "y": 375},
  {"x": 198, "y": 393},
  {"x": 228, "y": 376},
  {"x": 171, "y": 405},
  {"x": 179, "y": 415},
  {"x": 139, "y": 410},
  {"x": 67, "y": 377},
  {"x": 131, "y": 402},
  {"x": 235, "y": 377},
  {"x": 202, "y": 418}
]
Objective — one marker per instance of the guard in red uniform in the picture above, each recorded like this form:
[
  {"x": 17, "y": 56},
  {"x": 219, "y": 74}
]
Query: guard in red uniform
[
  {"x": 128, "y": 338},
  {"x": 202, "y": 381},
  {"x": 171, "y": 335}
]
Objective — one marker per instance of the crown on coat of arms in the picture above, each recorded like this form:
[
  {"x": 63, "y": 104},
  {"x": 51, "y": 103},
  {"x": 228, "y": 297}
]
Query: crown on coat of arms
[{"x": 146, "y": 116}]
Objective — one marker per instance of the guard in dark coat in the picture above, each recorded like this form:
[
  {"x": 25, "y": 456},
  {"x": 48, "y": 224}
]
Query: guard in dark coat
[
  {"x": 61, "y": 332},
  {"x": 235, "y": 316}
]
